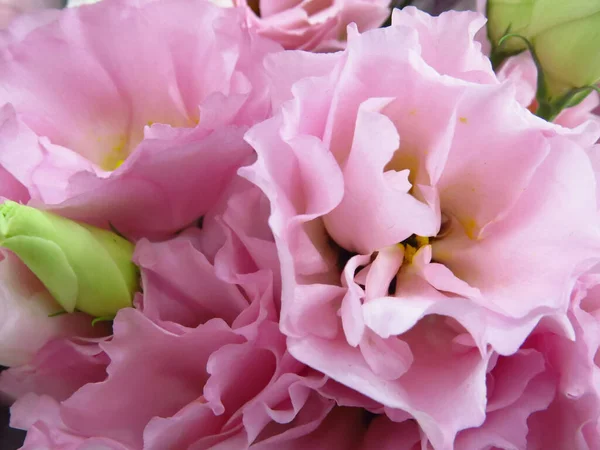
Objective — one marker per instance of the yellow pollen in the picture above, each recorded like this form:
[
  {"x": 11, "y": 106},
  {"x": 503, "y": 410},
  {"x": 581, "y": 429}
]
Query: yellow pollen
[
  {"x": 422, "y": 240},
  {"x": 471, "y": 228},
  {"x": 463, "y": 119},
  {"x": 409, "y": 253}
]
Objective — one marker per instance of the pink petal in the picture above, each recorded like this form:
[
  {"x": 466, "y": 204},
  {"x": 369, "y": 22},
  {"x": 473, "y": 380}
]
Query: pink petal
[
  {"x": 315, "y": 25},
  {"x": 472, "y": 188},
  {"x": 25, "y": 306},
  {"x": 142, "y": 358},
  {"x": 41, "y": 415},
  {"x": 558, "y": 207},
  {"x": 352, "y": 320},
  {"x": 58, "y": 370},
  {"x": 439, "y": 276},
  {"x": 429, "y": 390},
  {"x": 360, "y": 224},
  {"x": 382, "y": 271},
  {"x": 388, "y": 358},
  {"x": 181, "y": 286},
  {"x": 460, "y": 56}
]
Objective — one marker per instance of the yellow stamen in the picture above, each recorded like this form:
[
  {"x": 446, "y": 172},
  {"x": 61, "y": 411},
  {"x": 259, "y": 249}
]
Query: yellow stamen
[
  {"x": 412, "y": 245},
  {"x": 409, "y": 253},
  {"x": 422, "y": 240}
]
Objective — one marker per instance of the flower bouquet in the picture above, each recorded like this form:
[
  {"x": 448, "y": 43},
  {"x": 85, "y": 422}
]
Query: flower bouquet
[{"x": 278, "y": 224}]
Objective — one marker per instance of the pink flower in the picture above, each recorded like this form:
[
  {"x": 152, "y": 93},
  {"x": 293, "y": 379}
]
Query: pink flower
[
  {"x": 9, "y": 9},
  {"x": 137, "y": 99},
  {"x": 25, "y": 305},
  {"x": 419, "y": 214},
  {"x": 205, "y": 333},
  {"x": 310, "y": 24}
]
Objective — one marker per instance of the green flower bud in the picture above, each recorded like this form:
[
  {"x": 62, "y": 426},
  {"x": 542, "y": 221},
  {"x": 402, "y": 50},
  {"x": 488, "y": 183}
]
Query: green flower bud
[
  {"x": 565, "y": 36},
  {"x": 85, "y": 268}
]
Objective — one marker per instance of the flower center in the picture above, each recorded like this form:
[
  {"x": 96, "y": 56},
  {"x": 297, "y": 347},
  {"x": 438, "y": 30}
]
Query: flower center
[
  {"x": 411, "y": 245},
  {"x": 117, "y": 153}
]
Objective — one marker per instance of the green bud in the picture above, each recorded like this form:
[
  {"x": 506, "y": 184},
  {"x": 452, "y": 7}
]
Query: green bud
[
  {"x": 85, "y": 268},
  {"x": 564, "y": 34}
]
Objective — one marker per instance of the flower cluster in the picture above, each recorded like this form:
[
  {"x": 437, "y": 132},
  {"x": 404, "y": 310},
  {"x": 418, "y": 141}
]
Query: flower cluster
[{"x": 250, "y": 247}]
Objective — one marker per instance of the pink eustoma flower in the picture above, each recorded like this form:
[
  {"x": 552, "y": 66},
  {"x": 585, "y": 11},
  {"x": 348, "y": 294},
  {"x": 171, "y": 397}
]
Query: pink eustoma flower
[
  {"x": 313, "y": 25},
  {"x": 426, "y": 222},
  {"x": 200, "y": 361},
  {"x": 205, "y": 333},
  {"x": 129, "y": 122}
]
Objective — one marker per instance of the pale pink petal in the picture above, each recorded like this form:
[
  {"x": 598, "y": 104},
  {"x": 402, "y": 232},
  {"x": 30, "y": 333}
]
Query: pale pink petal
[
  {"x": 382, "y": 271},
  {"x": 508, "y": 428},
  {"x": 558, "y": 206},
  {"x": 297, "y": 72},
  {"x": 359, "y": 223},
  {"x": 41, "y": 415},
  {"x": 472, "y": 187},
  {"x": 25, "y": 308},
  {"x": 460, "y": 56},
  {"x": 388, "y": 358},
  {"x": 130, "y": 197},
  {"x": 439, "y": 276},
  {"x": 520, "y": 70},
  {"x": 315, "y": 310},
  {"x": 429, "y": 390},
  {"x": 272, "y": 405},
  {"x": 350, "y": 311},
  {"x": 58, "y": 370},
  {"x": 313, "y": 25},
  {"x": 181, "y": 286}
]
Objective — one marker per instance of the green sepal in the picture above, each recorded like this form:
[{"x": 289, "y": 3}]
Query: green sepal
[
  {"x": 549, "y": 108},
  {"x": 49, "y": 263}
]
